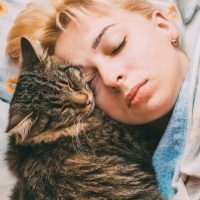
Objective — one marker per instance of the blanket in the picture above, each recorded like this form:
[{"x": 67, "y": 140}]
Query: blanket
[
  {"x": 187, "y": 174},
  {"x": 176, "y": 160},
  {"x": 7, "y": 180}
]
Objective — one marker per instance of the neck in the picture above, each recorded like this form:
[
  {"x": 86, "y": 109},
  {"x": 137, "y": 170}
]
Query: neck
[
  {"x": 184, "y": 61},
  {"x": 161, "y": 123}
]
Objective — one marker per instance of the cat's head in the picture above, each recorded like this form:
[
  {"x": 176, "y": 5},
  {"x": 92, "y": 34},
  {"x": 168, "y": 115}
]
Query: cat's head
[{"x": 50, "y": 95}]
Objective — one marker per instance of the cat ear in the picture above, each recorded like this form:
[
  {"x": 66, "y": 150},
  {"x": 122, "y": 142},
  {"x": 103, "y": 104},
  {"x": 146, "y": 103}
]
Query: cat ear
[
  {"x": 29, "y": 56},
  {"x": 20, "y": 125}
]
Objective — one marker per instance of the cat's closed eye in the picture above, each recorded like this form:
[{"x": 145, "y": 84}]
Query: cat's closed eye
[
  {"x": 71, "y": 86},
  {"x": 90, "y": 75}
]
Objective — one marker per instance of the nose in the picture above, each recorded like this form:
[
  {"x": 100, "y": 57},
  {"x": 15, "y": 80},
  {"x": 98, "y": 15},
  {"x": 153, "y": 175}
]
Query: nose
[
  {"x": 112, "y": 78},
  {"x": 82, "y": 99}
]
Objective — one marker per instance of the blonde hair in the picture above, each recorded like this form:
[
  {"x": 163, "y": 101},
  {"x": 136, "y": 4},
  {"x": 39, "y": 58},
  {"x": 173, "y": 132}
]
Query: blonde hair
[{"x": 43, "y": 22}]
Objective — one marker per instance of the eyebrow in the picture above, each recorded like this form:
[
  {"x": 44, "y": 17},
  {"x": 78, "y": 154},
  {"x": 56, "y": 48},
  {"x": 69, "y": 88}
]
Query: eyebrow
[{"x": 99, "y": 37}]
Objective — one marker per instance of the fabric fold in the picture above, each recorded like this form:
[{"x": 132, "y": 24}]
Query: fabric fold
[{"x": 177, "y": 157}]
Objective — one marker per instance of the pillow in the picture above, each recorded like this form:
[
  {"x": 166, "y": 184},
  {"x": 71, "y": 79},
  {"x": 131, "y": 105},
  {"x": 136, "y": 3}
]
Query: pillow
[
  {"x": 8, "y": 71},
  {"x": 188, "y": 8},
  {"x": 190, "y": 11}
]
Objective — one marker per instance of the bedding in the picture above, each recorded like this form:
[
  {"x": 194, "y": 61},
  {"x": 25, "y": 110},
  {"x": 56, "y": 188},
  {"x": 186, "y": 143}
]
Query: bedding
[
  {"x": 8, "y": 78},
  {"x": 7, "y": 180},
  {"x": 8, "y": 71},
  {"x": 177, "y": 157}
]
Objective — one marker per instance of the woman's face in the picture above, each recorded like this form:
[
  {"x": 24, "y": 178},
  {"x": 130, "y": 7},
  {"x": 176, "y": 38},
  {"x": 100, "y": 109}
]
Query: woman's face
[{"x": 136, "y": 72}]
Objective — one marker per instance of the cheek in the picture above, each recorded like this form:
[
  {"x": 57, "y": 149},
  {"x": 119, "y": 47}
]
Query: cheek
[
  {"x": 103, "y": 100},
  {"x": 106, "y": 100}
]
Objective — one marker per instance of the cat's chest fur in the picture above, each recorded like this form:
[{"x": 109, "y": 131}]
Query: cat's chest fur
[
  {"x": 99, "y": 136},
  {"x": 104, "y": 161}
]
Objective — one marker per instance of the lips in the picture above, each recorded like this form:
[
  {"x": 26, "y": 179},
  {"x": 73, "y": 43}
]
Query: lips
[{"x": 130, "y": 97}]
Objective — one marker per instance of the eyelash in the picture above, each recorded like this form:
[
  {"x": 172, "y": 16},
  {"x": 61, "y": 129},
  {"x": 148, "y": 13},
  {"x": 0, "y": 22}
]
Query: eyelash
[{"x": 119, "y": 48}]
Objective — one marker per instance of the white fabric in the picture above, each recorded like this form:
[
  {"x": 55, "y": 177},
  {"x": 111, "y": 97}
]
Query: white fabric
[
  {"x": 189, "y": 167},
  {"x": 7, "y": 180}
]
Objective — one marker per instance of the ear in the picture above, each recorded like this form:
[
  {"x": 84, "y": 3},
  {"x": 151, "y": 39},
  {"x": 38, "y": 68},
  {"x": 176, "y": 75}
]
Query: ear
[
  {"x": 20, "y": 125},
  {"x": 164, "y": 24},
  {"x": 29, "y": 56}
]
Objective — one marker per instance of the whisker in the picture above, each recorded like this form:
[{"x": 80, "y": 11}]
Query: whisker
[
  {"x": 73, "y": 143},
  {"x": 74, "y": 138},
  {"x": 79, "y": 146},
  {"x": 77, "y": 137},
  {"x": 83, "y": 130}
]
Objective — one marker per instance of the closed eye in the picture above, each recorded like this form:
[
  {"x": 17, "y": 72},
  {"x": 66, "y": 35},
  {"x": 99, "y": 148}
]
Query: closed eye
[
  {"x": 71, "y": 86},
  {"x": 92, "y": 83},
  {"x": 89, "y": 73},
  {"x": 119, "y": 48},
  {"x": 90, "y": 80}
]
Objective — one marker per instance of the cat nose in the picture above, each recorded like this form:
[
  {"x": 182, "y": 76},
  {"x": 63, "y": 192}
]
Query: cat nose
[{"x": 82, "y": 99}]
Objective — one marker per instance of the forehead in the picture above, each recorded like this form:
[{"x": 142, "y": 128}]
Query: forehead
[
  {"x": 77, "y": 38},
  {"x": 83, "y": 33}
]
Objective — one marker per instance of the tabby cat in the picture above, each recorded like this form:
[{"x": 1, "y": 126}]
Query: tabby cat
[{"x": 61, "y": 148}]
